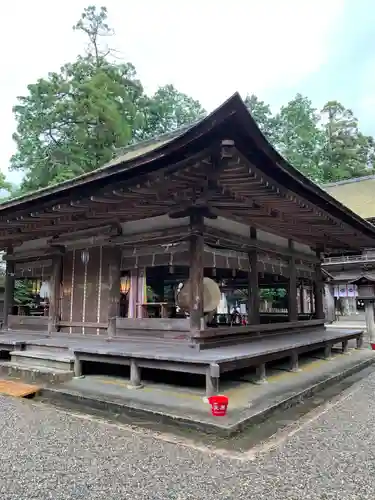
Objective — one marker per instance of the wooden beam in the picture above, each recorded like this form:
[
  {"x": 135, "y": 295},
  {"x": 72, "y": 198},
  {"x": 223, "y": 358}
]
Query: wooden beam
[
  {"x": 242, "y": 243},
  {"x": 110, "y": 230},
  {"x": 160, "y": 236},
  {"x": 206, "y": 187},
  {"x": 253, "y": 283},
  {"x": 55, "y": 295},
  {"x": 277, "y": 201},
  {"x": 292, "y": 287},
  {"x": 288, "y": 195},
  {"x": 196, "y": 273},
  {"x": 114, "y": 278},
  {"x": 9, "y": 289},
  {"x": 180, "y": 214},
  {"x": 35, "y": 254},
  {"x": 319, "y": 290}
]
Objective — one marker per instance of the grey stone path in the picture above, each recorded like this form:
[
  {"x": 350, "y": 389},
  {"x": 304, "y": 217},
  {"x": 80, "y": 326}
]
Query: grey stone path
[{"x": 50, "y": 454}]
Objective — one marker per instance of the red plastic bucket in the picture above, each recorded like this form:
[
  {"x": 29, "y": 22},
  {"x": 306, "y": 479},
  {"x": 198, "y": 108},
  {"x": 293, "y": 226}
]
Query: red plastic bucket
[
  {"x": 373, "y": 347},
  {"x": 219, "y": 405}
]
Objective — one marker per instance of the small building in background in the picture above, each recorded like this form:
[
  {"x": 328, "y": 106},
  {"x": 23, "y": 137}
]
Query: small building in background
[{"x": 359, "y": 196}]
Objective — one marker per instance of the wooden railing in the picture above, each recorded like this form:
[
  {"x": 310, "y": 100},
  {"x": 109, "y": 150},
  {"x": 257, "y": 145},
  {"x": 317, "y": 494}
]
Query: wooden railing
[
  {"x": 35, "y": 323},
  {"x": 350, "y": 258}
]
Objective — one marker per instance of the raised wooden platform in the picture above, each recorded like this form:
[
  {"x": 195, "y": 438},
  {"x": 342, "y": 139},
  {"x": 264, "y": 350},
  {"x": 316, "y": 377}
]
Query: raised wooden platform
[
  {"x": 16, "y": 340},
  {"x": 211, "y": 362}
]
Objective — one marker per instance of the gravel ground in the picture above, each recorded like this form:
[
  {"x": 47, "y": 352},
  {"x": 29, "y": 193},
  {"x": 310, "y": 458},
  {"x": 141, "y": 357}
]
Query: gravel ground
[{"x": 50, "y": 454}]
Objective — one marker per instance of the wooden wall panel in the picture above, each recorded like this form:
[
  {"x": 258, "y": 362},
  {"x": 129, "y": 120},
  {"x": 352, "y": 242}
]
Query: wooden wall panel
[
  {"x": 78, "y": 292},
  {"x": 106, "y": 258},
  {"x": 90, "y": 305},
  {"x": 85, "y": 292},
  {"x": 102, "y": 290}
]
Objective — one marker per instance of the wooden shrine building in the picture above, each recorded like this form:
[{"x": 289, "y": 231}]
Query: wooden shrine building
[{"x": 215, "y": 200}]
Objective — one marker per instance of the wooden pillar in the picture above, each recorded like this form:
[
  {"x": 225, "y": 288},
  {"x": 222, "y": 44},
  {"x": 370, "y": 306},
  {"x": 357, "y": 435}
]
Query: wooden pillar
[
  {"x": 292, "y": 288},
  {"x": 55, "y": 295},
  {"x": 329, "y": 303},
  {"x": 301, "y": 299},
  {"x": 196, "y": 273},
  {"x": 359, "y": 341},
  {"x": 328, "y": 351},
  {"x": 311, "y": 294},
  {"x": 319, "y": 291},
  {"x": 77, "y": 367},
  {"x": 260, "y": 374},
  {"x": 135, "y": 375},
  {"x": 114, "y": 278},
  {"x": 345, "y": 346},
  {"x": 294, "y": 367},
  {"x": 210, "y": 384},
  {"x": 9, "y": 289},
  {"x": 370, "y": 322},
  {"x": 212, "y": 379},
  {"x": 253, "y": 284}
]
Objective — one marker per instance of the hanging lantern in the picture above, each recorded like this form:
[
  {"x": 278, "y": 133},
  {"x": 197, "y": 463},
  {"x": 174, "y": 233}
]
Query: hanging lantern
[
  {"x": 85, "y": 257},
  {"x": 35, "y": 287},
  {"x": 125, "y": 285}
]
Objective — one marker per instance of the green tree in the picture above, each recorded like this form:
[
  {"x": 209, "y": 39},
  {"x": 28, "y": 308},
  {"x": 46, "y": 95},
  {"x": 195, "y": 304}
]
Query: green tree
[
  {"x": 77, "y": 119},
  {"x": 262, "y": 114},
  {"x": 347, "y": 152},
  {"x": 72, "y": 121},
  {"x": 23, "y": 293},
  {"x": 5, "y": 186},
  {"x": 300, "y": 138},
  {"x": 167, "y": 110}
]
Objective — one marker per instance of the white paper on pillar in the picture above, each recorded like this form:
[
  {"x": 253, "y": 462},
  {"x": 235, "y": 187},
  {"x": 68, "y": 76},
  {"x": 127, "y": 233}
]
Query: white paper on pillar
[
  {"x": 45, "y": 291},
  {"x": 222, "y": 308},
  {"x": 141, "y": 291},
  {"x": 351, "y": 290},
  {"x": 133, "y": 293}
]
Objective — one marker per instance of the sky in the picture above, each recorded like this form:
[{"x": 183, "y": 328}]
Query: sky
[{"x": 207, "y": 48}]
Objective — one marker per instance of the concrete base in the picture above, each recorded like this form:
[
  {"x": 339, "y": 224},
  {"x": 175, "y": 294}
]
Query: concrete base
[
  {"x": 249, "y": 403},
  {"x": 43, "y": 359},
  {"x": 34, "y": 374}
]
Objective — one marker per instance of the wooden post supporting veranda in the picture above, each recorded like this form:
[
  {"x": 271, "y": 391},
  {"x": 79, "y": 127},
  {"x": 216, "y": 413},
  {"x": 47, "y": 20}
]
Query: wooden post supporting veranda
[
  {"x": 301, "y": 298},
  {"x": 292, "y": 288},
  {"x": 9, "y": 289},
  {"x": 54, "y": 299},
  {"x": 253, "y": 284},
  {"x": 196, "y": 273},
  {"x": 319, "y": 291},
  {"x": 114, "y": 282},
  {"x": 370, "y": 321},
  {"x": 366, "y": 292}
]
